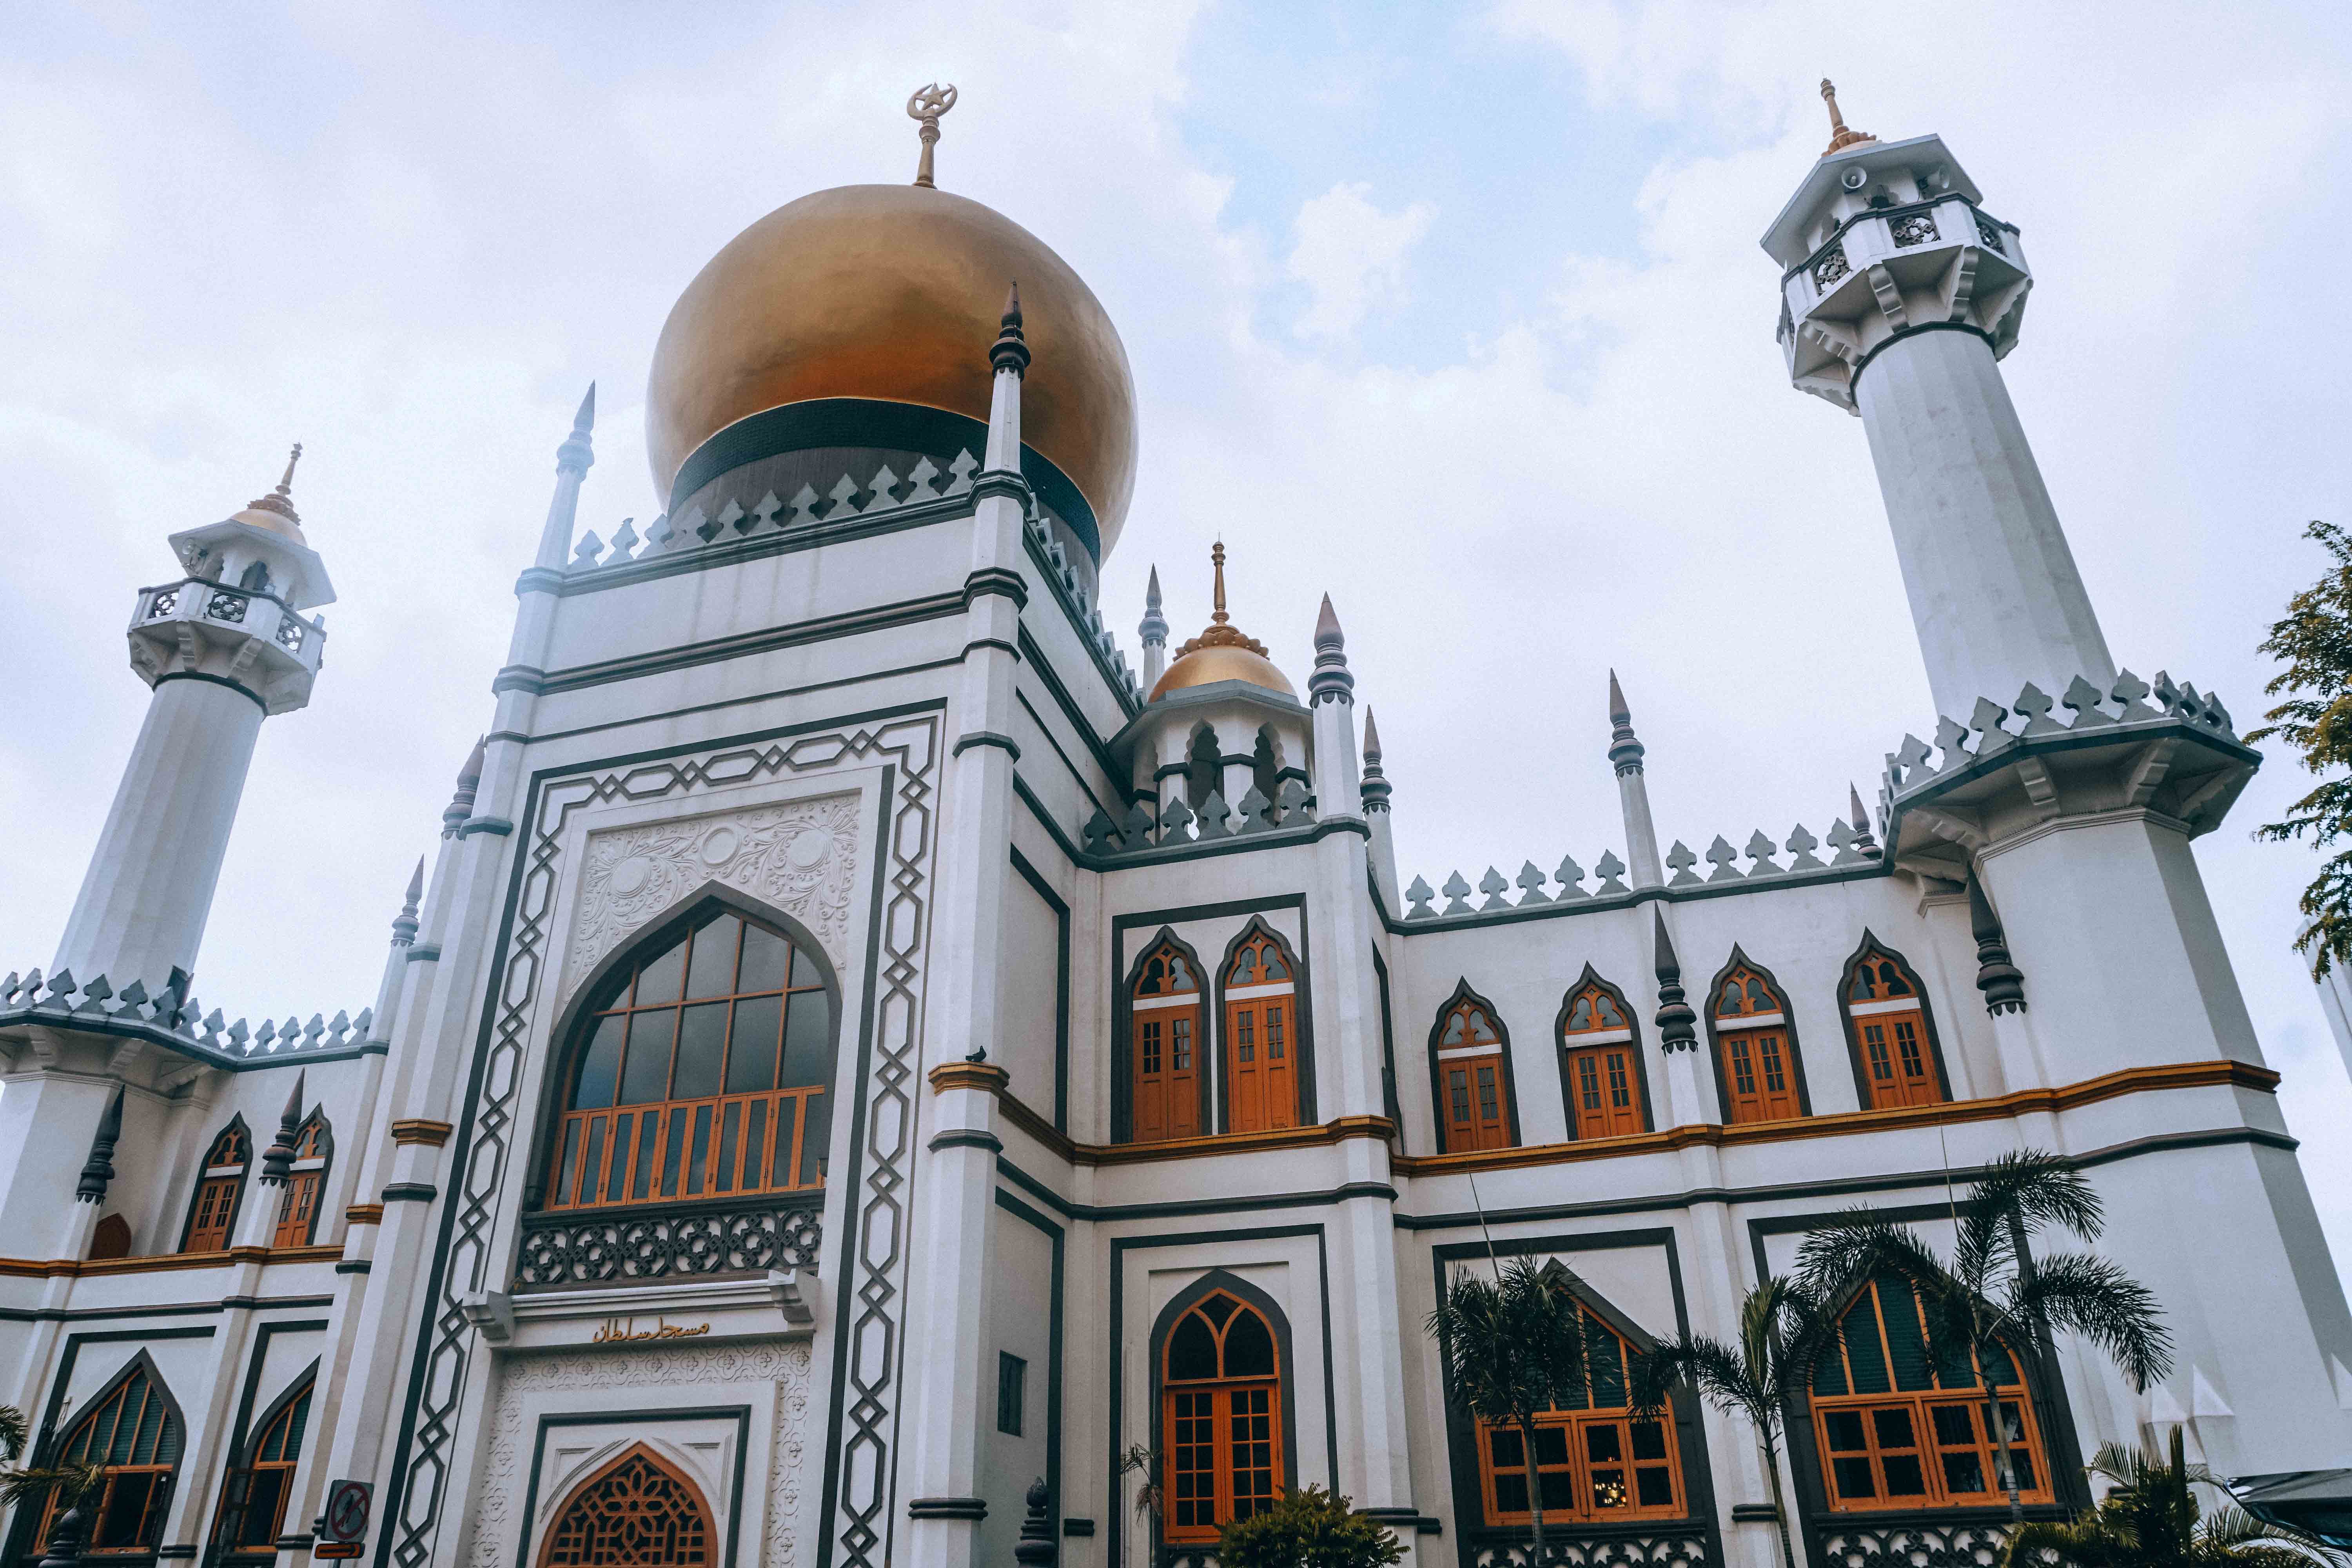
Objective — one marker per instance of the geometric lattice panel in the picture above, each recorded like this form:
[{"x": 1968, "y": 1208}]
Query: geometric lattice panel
[{"x": 638, "y": 1511}]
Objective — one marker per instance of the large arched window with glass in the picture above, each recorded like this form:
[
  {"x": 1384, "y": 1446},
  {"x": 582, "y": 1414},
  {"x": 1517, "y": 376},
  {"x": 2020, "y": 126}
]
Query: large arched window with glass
[
  {"x": 220, "y": 1189},
  {"x": 1755, "y": 1056},
  {"x": 1470, "y": 1071},
  {"x": 1896, "y": 1062},
  {"x": 702, "y": 1068},
  {"x": 1221, "y": 1432},
  {"x": 253, "y": 1505},
  {"x": 1595, "y": 1463},
  {"x": 1262, "y": 1035},
  {"x": 1895, "y": 1430},
  {"x": 132, "y": 1434},
  {"x": 1600, "y": 1063},
  {"x": 1166, "y": 1079}
]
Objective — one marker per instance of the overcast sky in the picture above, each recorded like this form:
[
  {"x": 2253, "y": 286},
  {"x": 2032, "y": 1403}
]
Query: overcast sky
[{"x": 1456, "y": 314}]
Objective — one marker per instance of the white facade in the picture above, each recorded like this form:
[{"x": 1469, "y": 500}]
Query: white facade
[{"x": 892, "y": 729}]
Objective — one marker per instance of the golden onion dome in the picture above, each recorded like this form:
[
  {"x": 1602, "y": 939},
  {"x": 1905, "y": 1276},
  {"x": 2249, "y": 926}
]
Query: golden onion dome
[
  {"x": 892, "y": 294},
  {"x": 1222, "y": 652},
  {"x": 275, "y": 511}
]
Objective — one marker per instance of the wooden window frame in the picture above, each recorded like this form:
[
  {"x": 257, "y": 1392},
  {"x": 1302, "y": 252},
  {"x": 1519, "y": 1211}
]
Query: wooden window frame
[
  {"x": 1594, "y": 1047},
  {"x": 1444, "y": 1061},
  {"x": 1886, "y": 1013},
  {"x": 709, "y": 1138},
  {"x": 1169, "y": 1017},
  {"x": 1219, "y": 1401},
  {"x": 1284, "y": 1096},
  {"x": 218, "y": 1179},
  {"x": 162, "y": 1476},
  {"x": 579, "y": 1499},
  {"x": 306, "y": 1184},
  {"x": 1577, "y": 1461},
  {"x": 1725, "y": 1031},
  {"x": 1929, "y": 1443},
  {"x": 237, "y": 1490}
]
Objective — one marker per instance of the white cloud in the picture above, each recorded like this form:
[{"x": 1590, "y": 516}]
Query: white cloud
[{"x": 1350, "y": 255}]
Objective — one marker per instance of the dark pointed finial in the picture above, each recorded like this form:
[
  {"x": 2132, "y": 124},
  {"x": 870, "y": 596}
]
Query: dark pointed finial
[
  {"x": 578, "y": 452},
  {"x": 98, "y": 1169},
  {"x": 585, "y": 420},
  {"x": 278, "y": 1160},
  {"x": 1152, "y": 589},
  {"x": 1154, "y": 627},
  {"x": 1330, "y": 682},
  {"x": 928, "y": 103},
  {"x": 1036, "y": 1547},
  {"x": 1864, "y": 844},
  {"x": 1678, "y": 1024},
  {"x": 2003, "y": 982},
  {"x": 1372, "y": 738},
  {"x": 469, "y": 781},
  {"x": 1011, "y": 350},
  {"x": 404, "y": 925},
  {"x": 1376, "y": 789},
  {"x": 1625, "y": 751}
]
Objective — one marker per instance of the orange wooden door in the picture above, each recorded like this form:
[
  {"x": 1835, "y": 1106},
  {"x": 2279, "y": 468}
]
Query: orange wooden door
[
  {"x": 1607, "y": 1101},
  {"x": 1261, "y": 1062},
  {"x": 1894, "y": 1059},
  {"x": 1476, "y": 1115},
  {"x": 1757, "y": 1078},
  {"x": 1167, "y": 1073}
]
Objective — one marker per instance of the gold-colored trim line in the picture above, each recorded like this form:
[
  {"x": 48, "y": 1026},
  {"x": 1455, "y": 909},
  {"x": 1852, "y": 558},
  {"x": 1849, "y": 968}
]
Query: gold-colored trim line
[
  {"x": 54, "y": 1268},
  {"x": 432, "y": 1134}
]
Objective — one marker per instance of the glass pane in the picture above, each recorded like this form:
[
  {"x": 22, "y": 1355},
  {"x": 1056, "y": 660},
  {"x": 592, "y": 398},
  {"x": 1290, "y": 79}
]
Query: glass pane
[
  {"x": 1653, "y": 1486},
  {"x": 1558, "y": 1488},
  {"x": 787, "y": 1120},
  {"x": 644, "y": 1074},
  {"x": 767, "y": 961},
  {"x": 808, "y": 1040},
  {"x": 712, "y": 973},
  {"x": 615, "y": 1183},
  {"x": 1602, "y": 1442},
  {"x": 658, "y": 981},
  {"x": 672, "y": 1145},
  {"x": 1505, "y": 1444},
  {"x": 697, "y": 1162},
  {"x": 755, "y": 1144},
  {"x": 1551, "y": 1446},
  {"x": 1963, "y": 1473},
  {"x": 1510, "y": 1487},
  {"x": 1853, "y": 1479},
  {"x": 595, "y": 1159},
  {"x": 1893, "y": 1429},
  {"x": 1649, "y": 1440},
  {"x": 1192, "y": 1350},
  {"x": 259, "y": 1526},
  {"x": 752, "y": 1053},
  {"x": 1904, "y": 1476},
  {"x": 649, "y": 1131},
  {"x": 567, "y": 1181},
  {"x": 126, "y": 1505},
  {"x": 1954, "y": 1428},
  {"x": 1609, "y": 1486},
  {"x": 702, "y": 1041},
  {"x": 816, "y": 1139},
  {"x": 729, "y": 1124},
  {"x": 1844, "y": 1428},
  {"x": 1249, "y": 1349},
  {"x": 1863, "y": 1352},
  {"x": 600, "y": 1067}
]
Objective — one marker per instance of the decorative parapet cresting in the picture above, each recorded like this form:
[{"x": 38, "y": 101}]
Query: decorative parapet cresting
[
  {"x": 618, "y": 1246},
  {"x": 1178, "y": 824},
  {"x": 179, "y": 1023},
  {"x": 882, "y": 494}
]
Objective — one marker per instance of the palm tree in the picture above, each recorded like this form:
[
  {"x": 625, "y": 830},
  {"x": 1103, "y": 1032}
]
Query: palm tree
[
  {"x": 2150, "y": 1520},
  {"x": 24, "y": 1486},
  {"x": 1992, "y": 1289},
  {"x": 1513, "y": 1347},
  {"x": 1784, "y": 1330}
]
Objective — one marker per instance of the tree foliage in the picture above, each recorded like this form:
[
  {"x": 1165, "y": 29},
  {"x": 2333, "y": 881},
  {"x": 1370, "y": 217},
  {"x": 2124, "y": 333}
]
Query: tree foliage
[
  {"x": 2314, "y": 641},
  {"x": 1308, "y": 1529},
  {"x": 2150, "y": 1519},
  {"x": 27, "y": 1486}
]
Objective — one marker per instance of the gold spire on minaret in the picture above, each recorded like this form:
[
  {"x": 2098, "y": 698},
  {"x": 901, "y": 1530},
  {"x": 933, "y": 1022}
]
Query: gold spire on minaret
[
  {"x": 1222, "y": 651},
  {"x": 927, "y": 105},
  {"x": 1840, "y": 138},
  {"x": 275, "y": 510}
]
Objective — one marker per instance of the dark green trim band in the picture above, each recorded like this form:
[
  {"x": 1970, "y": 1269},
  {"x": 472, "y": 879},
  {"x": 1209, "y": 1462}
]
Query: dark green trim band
[
  {"x": 216, "y": 680},
  {"x": 967, "y": 1138},
  {"x": 1853, "y": 377},
  {"x": 410, "y": 1193},
  {"x": 985, "y": 738}
]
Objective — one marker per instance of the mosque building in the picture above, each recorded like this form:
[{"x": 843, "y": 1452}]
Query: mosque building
[{"x": 858, "y": 1046}]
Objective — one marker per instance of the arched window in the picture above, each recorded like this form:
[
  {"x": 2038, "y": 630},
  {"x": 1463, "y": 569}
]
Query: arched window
[
  {"x": 639, "y": 1511},
  {"x": 702, "y": 1069},
  {"x": 1265, "y": 765},
  {"x": 1897, "y": 1431},
  {"x": 1470, "y": 1064},
  {"x": 1600, "y": 1068},
  {"x": 1261, "y": 997},
  {"x": 253, "y": 1504},
  {"x": 1221, "y": 1415},
  {"x": 220, "y": 1187},
  {"x": 1205, "y": 768},
  {"x": 297, "y": 1214},
  {"x": 1754, "y": 1063},
  {"x": 1896, "y": 1061},
  {"x": 1164, "y": 1061},
  {"x": 1595, "y": 1462},
  {"x": 131, "y": 1432}
]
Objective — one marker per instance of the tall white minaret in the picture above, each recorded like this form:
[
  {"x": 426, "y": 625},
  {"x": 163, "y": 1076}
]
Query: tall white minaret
[
  {"x": 1899, "y": 296},
  {"x": 1153, "y": 631},
  {"x": 223, "y": 647},
  {"x": 1633, "y": 792}
]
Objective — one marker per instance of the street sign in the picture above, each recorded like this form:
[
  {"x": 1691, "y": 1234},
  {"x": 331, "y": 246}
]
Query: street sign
[
  {"x": 345, "y": 1521},
  {"x": 338, "y": 1549}
]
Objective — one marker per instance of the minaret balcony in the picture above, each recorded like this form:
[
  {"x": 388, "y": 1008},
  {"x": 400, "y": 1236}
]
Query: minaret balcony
[{"x": 248, "y": 636}]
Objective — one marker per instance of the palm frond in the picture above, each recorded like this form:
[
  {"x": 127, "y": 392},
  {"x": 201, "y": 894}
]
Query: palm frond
[
  {"x": 2231, "y": 1530},
  {"x": 29, "y": 1488},
  {"x": 1716, "y": 1369},
  {"x": 2095, "y": 1297},
  {"x": 13, "y": 1431},
  {"x": 2039, "y": 1189}
]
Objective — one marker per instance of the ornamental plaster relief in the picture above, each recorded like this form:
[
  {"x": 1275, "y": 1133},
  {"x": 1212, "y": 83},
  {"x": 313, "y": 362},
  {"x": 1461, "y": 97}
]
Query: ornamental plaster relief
[
  {"x": 540, "y": 1383},
  {"x": 799, "y": 856}
]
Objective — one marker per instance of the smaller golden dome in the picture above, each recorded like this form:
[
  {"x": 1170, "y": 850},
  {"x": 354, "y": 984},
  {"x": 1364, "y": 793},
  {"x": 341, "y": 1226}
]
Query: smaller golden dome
[
  {"x": 1222, "y": 652},
  {"x": 275, "y": 511}
]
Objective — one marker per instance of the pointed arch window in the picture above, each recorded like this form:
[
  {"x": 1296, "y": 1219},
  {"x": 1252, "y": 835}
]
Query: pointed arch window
[
  {"x": 253, "y": 1505},
  {"x": 704, "y": 1069},
  {"x": 1221, "y": 1415},
  {"x": 1894, "y": 1429},
  {"x": 1164, "y": 1061},
  {"x": 1895, "y": 1053},
  {"x": 1600, "y": 1064},
  {"x": 298, "y": 1212},
  {"x": 1595, "y": 1462},
  {"x": 639, "y": 1512},
  {"x": 220, "y": 1187},
  {"x": 1261, "y": 1000},
  {"x": 133, "y": 1434},
  {"x": 1756, "y": 1061},
  {"x": 1471, "y": 1060}
]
